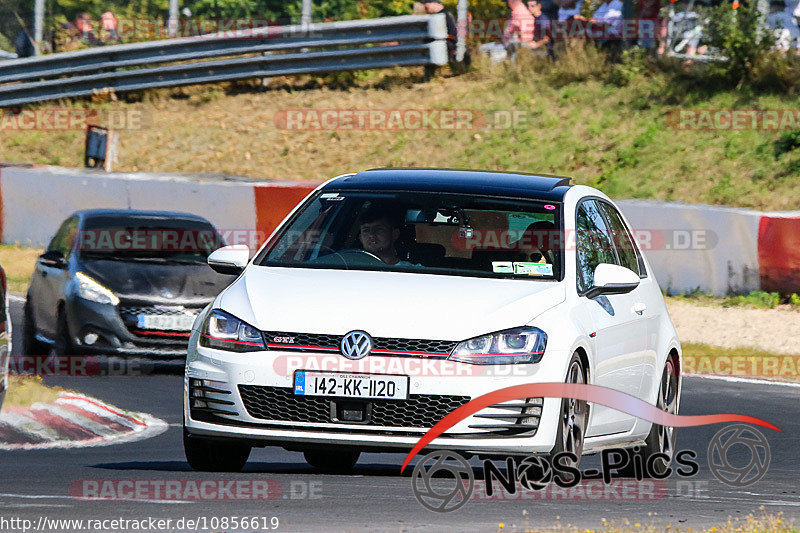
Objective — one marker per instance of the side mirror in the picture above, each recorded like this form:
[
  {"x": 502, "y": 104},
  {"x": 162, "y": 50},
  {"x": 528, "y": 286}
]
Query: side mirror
[
  {"x": 229, "y": 259},
  {"x": 53, "y": 259},
  {"x": 612, "y": 279}
]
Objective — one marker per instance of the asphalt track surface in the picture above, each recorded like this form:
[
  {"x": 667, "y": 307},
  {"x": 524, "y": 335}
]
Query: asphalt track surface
[{"x": 377, "y": 496}]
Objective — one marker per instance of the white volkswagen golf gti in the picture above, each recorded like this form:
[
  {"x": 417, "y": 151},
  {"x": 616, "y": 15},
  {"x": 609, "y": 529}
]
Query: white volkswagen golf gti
[{"x": 389, "y": 298}]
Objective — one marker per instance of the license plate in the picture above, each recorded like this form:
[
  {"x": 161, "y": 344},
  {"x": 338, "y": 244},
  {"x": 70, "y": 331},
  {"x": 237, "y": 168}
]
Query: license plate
[
  {"x": 165, "y": 322},
  {"x": 341, "y": 385}
]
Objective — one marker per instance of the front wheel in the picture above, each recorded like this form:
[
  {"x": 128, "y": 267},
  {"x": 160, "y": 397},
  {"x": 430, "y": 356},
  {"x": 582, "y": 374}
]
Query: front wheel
[
  {"x": 661, "y": 439},
  {"x": 62, "y": 344},
  {"x": 30, "y": 346},
  {"x": 206, "y": 455},
  {"x": 574, "y": 415}
]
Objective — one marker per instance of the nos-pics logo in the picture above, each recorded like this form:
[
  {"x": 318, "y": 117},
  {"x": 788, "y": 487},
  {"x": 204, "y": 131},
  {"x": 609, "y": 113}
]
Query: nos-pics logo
[{"x": 443, "y": 481}]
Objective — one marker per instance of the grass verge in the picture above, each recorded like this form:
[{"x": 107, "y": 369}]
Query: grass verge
[
  {"x": 24, "y": 391},
  {"x": 18, "y": 263},
  {"x": 742, "y": 362},
  {"x": 608, "y": 125}
]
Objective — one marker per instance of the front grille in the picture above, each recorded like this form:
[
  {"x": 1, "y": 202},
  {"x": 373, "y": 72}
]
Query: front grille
[
  {"x": 313, "y": 342},
  {"x": 130, "y": 317},
  {"x": 280, "y": 403}
]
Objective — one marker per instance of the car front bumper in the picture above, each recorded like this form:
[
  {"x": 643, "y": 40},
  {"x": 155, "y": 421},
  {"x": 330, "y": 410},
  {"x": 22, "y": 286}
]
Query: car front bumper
[
  {"x": 114, "y": 334},
  {"x": 226, "y": 376}
]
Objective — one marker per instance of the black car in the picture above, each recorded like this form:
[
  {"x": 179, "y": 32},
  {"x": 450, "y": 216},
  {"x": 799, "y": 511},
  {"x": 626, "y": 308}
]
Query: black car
[{"x": 122, "y": 282}]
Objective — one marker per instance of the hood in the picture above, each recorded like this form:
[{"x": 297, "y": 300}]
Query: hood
[
  {"x": 385, "y": 304},
  {"x": 162, "y": 283}
]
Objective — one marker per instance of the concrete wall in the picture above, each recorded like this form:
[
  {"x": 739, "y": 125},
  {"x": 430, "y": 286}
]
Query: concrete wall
[
  {"x": 36, "y": 200},
  {"x": 691, "y": 246},
  {"x": 715, "y": 249}
]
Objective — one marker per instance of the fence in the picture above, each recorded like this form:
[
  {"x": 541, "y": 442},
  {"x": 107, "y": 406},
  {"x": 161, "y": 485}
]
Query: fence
[{"x": 262, "y": 52}]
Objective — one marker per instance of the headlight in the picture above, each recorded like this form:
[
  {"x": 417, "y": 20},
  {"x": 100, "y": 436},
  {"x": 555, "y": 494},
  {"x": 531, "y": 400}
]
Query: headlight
[
  {"x": 226, "y": 332},
  {"x": 518, "y": 345},
  {"x": 89, "y": 289}
]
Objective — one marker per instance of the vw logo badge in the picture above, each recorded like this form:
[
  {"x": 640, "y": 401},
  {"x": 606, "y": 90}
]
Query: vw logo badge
[{"x": 356, "y": 345}]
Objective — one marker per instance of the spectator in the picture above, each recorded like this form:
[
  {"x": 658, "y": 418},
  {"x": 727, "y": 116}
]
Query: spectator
[
  {"x": 610, "y": 15},
  {"x": 549, "y": 9},
  {"x": 784, "y": 26},
  {"x": 435, "y": 6},
  {"x": 109, "y": 22},
  {"x": 24, "y": 45},
  {"x": 432, "y": 7},
  {"x": 519, "y": 29},
  {"x": 570, "y": 10},
  {"x": 609, "y": 19},
  {"x": 82, "y": 28},
  {"x": 541, "y": 32}
]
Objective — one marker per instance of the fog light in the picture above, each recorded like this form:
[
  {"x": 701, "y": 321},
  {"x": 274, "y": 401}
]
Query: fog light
[{"x": 90, "y": 338}]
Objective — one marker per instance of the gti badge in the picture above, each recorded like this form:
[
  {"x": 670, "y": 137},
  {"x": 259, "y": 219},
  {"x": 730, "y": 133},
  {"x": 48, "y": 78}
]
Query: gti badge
[{"x": 356, "y": 345}]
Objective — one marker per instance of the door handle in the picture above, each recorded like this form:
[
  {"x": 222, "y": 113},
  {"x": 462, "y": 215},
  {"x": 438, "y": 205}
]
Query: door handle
[{"x": 639, "y": 308}]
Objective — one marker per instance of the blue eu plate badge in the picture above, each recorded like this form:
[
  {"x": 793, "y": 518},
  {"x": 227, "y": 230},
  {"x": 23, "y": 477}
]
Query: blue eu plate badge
[{"x": 299, "y": 382}]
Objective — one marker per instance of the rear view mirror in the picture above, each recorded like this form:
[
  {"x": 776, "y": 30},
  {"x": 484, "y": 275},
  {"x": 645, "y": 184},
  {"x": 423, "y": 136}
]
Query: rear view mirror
[
  {"x": 53, "y": 259},
  {"x": 229, "y": 259},
  {"x": 612, "y": 279}
]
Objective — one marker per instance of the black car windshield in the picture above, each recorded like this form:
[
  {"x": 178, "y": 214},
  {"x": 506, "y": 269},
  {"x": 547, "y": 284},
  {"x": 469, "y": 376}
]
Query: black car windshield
[
  {"x": 148, "y": 238},
  {"x": 432, "y": 233}
]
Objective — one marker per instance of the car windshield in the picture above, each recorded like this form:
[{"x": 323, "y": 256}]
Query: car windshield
[
  {"x": 431, "y": 233},
  {"x": 147, "y": 238}
]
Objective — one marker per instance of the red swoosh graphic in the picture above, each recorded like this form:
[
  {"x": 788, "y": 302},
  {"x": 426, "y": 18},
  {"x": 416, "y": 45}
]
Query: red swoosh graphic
[{"x": 591, "y": 393}]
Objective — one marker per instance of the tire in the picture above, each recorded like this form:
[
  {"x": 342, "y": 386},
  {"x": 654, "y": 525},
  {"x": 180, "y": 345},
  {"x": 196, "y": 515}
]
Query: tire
[
  {"x": 62, "y": 344},
  {"x": 332, "y": 461},
  {"x": 662, "y": 439},
  {"x": 30, "y": 346},
  {"x": 206, "y": 455},
  {"x": 574, "y": 415}
]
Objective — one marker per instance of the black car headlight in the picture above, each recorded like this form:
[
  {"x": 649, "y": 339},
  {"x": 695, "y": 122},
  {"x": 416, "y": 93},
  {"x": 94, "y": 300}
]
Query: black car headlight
[
  {"x": 226, "y": 332},
  {"x": 518, "y": 345}
]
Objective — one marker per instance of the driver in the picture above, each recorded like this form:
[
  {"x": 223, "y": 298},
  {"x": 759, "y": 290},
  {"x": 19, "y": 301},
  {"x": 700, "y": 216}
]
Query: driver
[{"x": 380, "y": 230}]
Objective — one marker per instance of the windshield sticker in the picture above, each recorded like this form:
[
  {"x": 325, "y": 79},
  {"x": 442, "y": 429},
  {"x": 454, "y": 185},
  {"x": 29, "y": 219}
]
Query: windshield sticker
[
  {"x": 331, "y": 196},
  {"x": 502, "y": 267},
  {"x": 533, "y": 269}
]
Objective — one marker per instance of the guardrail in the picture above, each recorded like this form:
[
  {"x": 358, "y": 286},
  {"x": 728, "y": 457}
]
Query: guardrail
[{"x": 267, "y": 51}]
